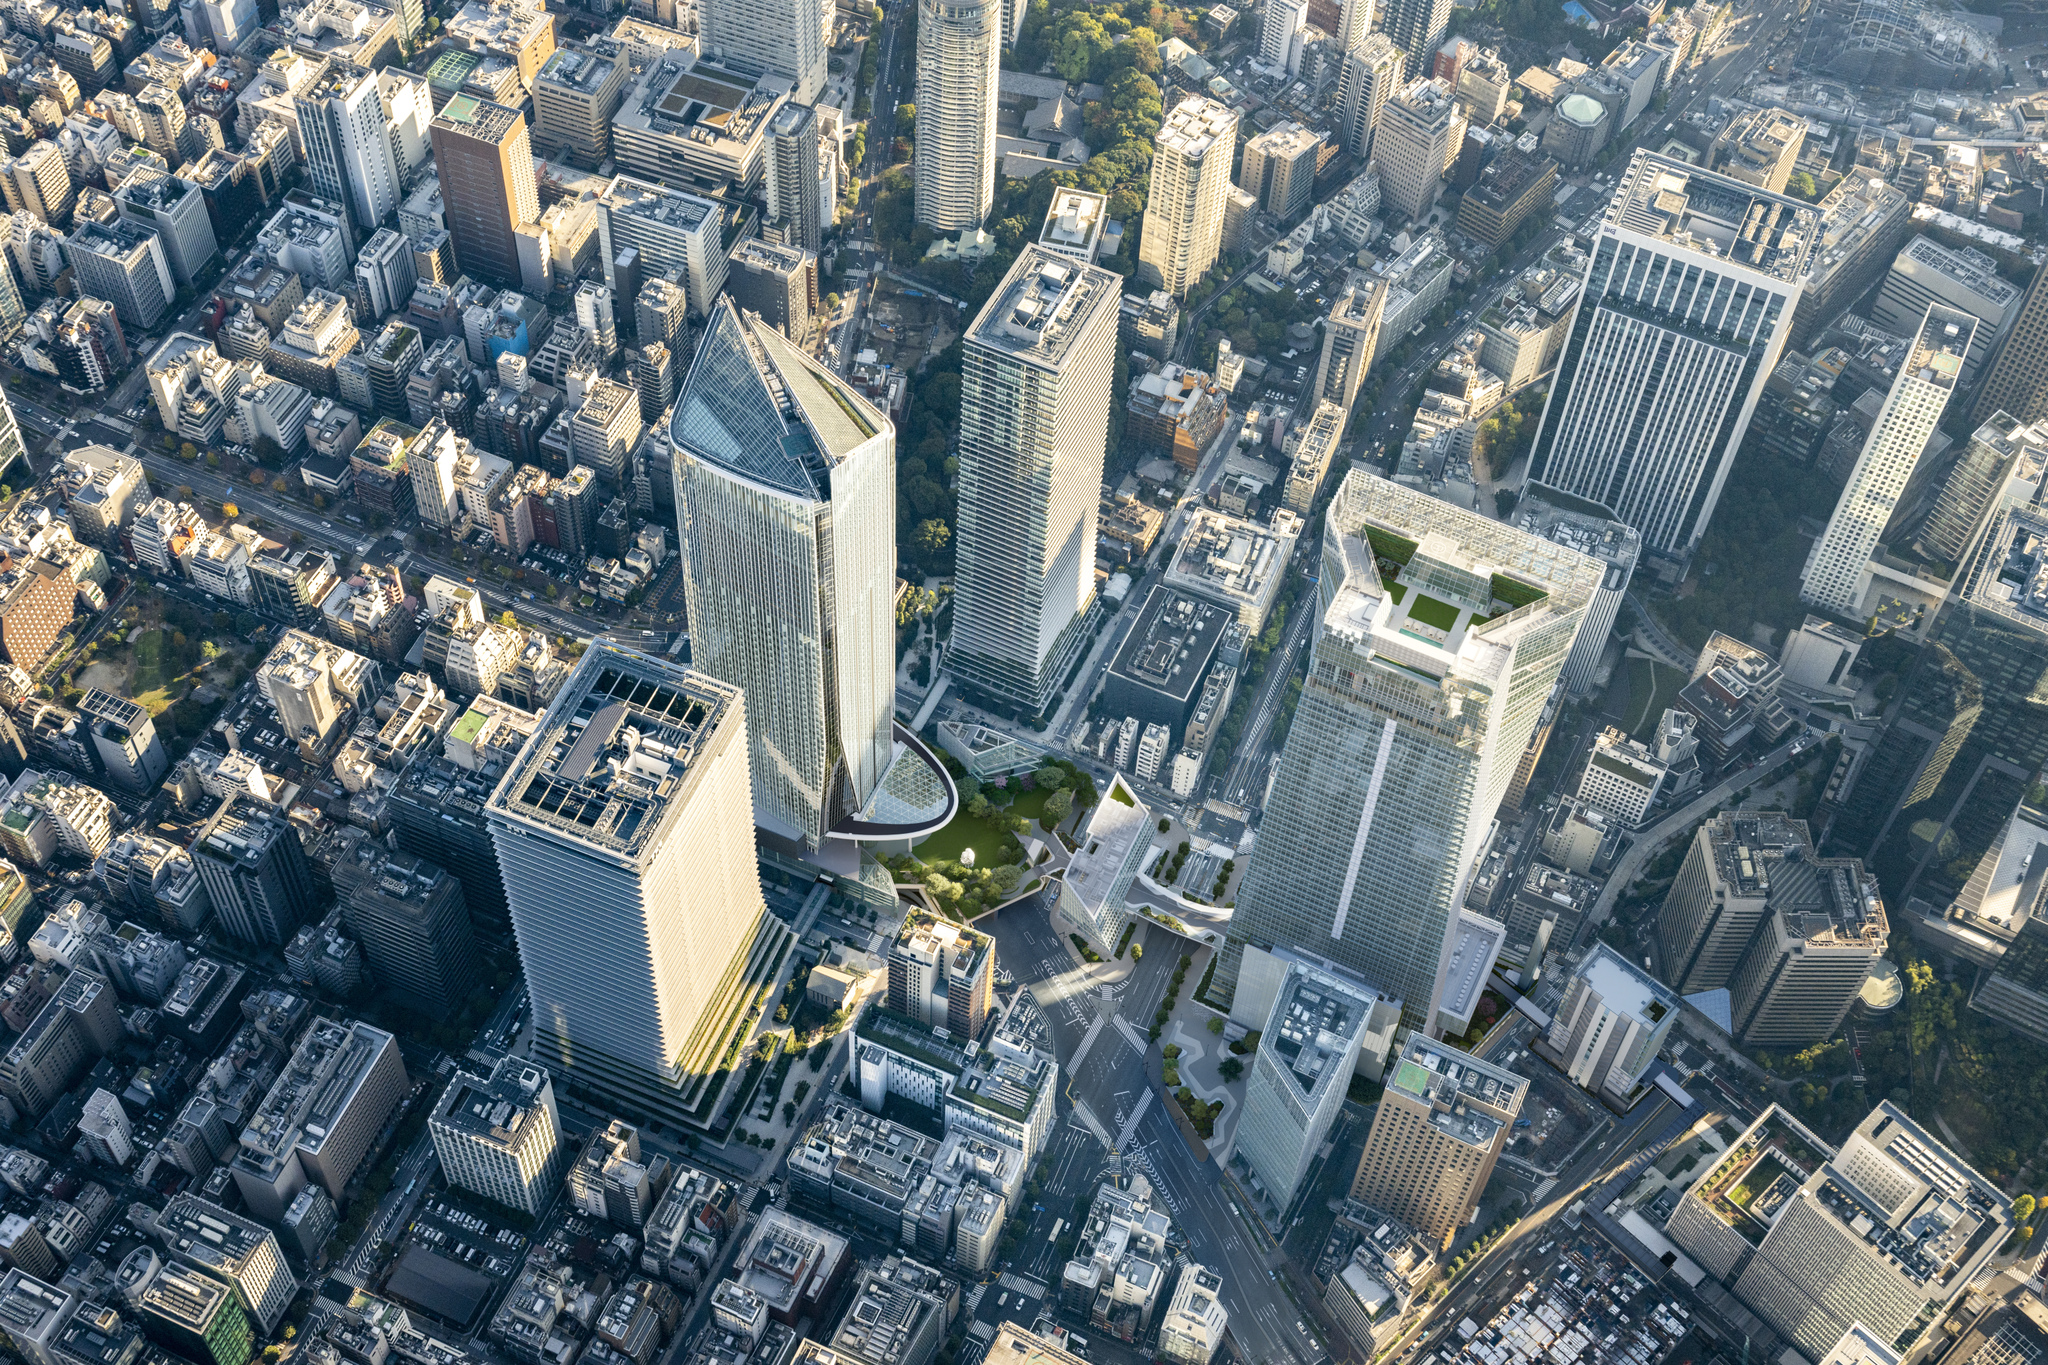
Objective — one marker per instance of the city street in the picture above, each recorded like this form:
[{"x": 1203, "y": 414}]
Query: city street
[{"x": 1090, "y": 1010}]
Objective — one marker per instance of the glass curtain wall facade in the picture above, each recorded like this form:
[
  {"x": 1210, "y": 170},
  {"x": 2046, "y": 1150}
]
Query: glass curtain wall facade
[{"x": 786, "y": 509}]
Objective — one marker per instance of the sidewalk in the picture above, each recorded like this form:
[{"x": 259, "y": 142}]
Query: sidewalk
[{"x": 1203, "y": 1053}]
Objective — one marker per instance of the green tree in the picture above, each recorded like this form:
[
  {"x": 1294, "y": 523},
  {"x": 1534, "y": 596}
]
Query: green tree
[
  {"x": 1231, "y": 1068},
  {"x": 931, "y": 536},
  {"x": 1801, "y": 186},
  {"x": 2023, "y": 1207},
  {"x": 1216, "y": 1025},
  {"x": 1058, "y": 807}
]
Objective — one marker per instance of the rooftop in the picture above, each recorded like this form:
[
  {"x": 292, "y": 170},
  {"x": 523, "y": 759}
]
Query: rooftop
[
  {"x": 472, "y": 117},
  {"x": 1045, "y": 301},
  {"x": 614, "y": 750},
  {"x": 1316, "y": 1026},
  {"x": 1467, "y": 1097},
  {"x": 493, "y": 1108},
  {"x": 576, "y": 69},
  {"x": 1171, "y": 646},
  {"x": 1197, "y": 124},
  {"x": 1231, "y": 559},
  {"x": 1714, "y": 215},
  {"x": 759, "y": 407},
  {"x": 1625, "y": 988}
]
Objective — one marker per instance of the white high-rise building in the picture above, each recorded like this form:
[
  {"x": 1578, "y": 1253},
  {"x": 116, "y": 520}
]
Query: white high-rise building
[
  {"x": 1439, "y": 637},
  {"x": 1280, "y": 35},
  {"x": 1372, "y": 71},
  {"x": 783, "y": 38},
  {"x": 348, "y": 143},
  {"x": 501, "y": 1136},
  {"x": 959, "y": 52},
  {"x": 1034, "y": 417},
  {"x": 1685, "y": 310},
  {"x": 1611, "y": 1023},
  {"x": 1184, "y": 205},
  {"x": 1837, "y": 575},
  {"x": 1417, "y": 137},
  {"x": 785, "y": 491},
  {"x": 625, "y": 834}
]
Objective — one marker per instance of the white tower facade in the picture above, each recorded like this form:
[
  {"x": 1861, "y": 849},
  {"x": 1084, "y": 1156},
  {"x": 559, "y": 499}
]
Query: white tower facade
[
  {"x": 786, "y": 508},
  {"x": 1836, "y": 574},
  {"x": 959, "y": 57},
  {"x": 1184, "y": 206}
]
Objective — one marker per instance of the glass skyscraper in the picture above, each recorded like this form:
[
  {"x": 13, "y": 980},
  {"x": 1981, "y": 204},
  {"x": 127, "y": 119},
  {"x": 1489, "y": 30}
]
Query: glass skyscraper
[
  {"x": 1440, "y": 635},
  {"x": 786, "y": 508},
  {"x": 625, "y": 832}
]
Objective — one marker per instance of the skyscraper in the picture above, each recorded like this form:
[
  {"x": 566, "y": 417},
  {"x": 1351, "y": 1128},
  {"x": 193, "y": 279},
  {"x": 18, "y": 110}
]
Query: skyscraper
[
  {"x": 1372, "y": 70},
  {"x": 1313, "y": 1036},
  {"x": 1836, "y": 576},
  {"x": 1442, "y": 1121},
  {"x": 487, "y": 183},
  {"x": 1887, "y": 1232},
  {"x": 1684, "y": 312},
  {"x": 1417, "y": 28},
  {"x": 1350, "y": 335},
  {"x": 1184, "y": 205},
  {"x": 625, "y": 832},
  {"x": 1034, "y": 415},
  {"x": 1971, "y": 730},
  {"x": 959, "y": 49},
  {"x": 1440, "y": 634},
  {"x": 781, "y": 37},
  {"x": 2018, "y": 381},
  {"x": 786, "y": 509},
  {"x": 789, "y": 162},
  {"x": 1417, "y": 137},
  {"x": 348, "y": 144}
]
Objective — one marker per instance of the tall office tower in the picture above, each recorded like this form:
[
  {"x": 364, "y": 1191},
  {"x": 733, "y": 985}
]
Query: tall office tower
[
  {"x": 1441, "y": 1124},
  {"x": 1349, "y": 337},
  {"x": 1413, "y": 145},
  {"x": 347, "y": 143},
  {"x": 500, "y": 1136},
  {"x": 1926, "y": 272},
  {"x": 1034, "y": 416},
  {"x": 1311, "y": 1046},
  {"x": 797, "y": 210},
  {"x": 959, "y": 50},
  {"x": 1611, "y": 1022},
  {"x": 385, "y": 272},
  {"x": 1184, "y": 211},
  {"x": 625, "y": 831},
  {"x": 781, "y": 37},
  {"x": 38, "y": 183},
  {"x": 1354, "y": 24},
  {"x": 1810, "y": 957},
  {"x": 1417, "y": 28},
  {"x": 1372, "y": 72},
  {"x": 410, "y": 919},
  {"x": 177, "y": 210},
  {"x": 1279, "y": 167},
  {"x": 593, "y": 305},
  {"x": 231, "y": 1249},
  {"x": 487, "y": 184},
  {"x": 2018, "y": 380},
  {"x": 673, "y": 235},
  {"x": 1971, "y": 730},
  {"x": 35, "y": 1314},
  {"x": 1837, "y": 577},
  {"x": 1683, "y": 315},
  {"x": 1788, "y": 934},
  {"x": 1440, "y": 635},
  {"x": 255, "y": 871},
  {"x": 661, "y": 313},
  {"x": 654, "y": 380},
  {"x": 1888, "y": 1232},
  {"x": 943, "y": 975},
  {"x": 196, "y": 1317},
  {"x": 785, "y": 502},
  {"x": 1280, "y": 34},
  {"x": 575, "y": 95},
  {"x": 126, "y": 265}
]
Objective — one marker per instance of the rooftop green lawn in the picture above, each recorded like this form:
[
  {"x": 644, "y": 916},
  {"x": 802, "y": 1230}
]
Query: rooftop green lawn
[
  {"x": 1433, "y": 611},
  {"x": 963, "y": 832}
]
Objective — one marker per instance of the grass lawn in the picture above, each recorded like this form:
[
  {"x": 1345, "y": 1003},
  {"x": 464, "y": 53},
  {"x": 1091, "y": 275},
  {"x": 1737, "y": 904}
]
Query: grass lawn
[
  {"x": 1652, "y": 688},
  {"x": 1433, "y": 612},
  {"x": 964, "y": 832}
]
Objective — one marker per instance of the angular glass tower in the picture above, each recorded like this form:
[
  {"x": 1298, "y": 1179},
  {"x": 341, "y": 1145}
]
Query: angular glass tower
[
  {"x": 1440, "y": 636},
  {"x": 625, "y": 832},
  {"x": 786, "y": 509}
]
